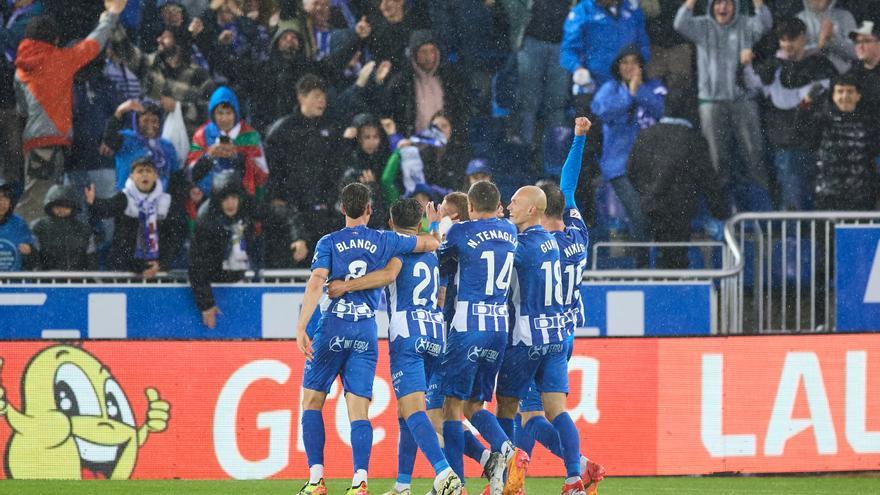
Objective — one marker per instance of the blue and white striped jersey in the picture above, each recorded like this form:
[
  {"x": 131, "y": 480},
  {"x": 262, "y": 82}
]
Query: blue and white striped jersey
[
  {"x": 538, "y": 312},
  {"x": 412, "y": 298},
  {"x": 574, "y": 243},
  {"x": 484, "y": 250},
  {"x": 353, "y": 252}
]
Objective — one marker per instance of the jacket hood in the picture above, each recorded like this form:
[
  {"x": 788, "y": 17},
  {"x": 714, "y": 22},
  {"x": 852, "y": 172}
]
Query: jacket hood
[
  {"x": 33, "y": 54},
  {"x": 418, "y": 39},
  {"x": 625, "y": 52},
  {"x": 736, "y": 7},
  {"x": 810, "y": 11},
  {"x": 60, "y": 195},
  {"x": 232, "y": 188},
  {"x": 224, "y": 95},
  {"x": 285, "y": 26}
]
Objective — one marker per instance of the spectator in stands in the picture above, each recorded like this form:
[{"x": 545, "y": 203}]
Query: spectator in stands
[
  {"x": 91, "y": 162},
  {"x": 671, "y": 178},
  {"x": 867, "y": 69},
  {"x": 626, "y": 104},
  {"x": 795, "y": 71},
  {"x": 445, "y": 165},
  {"x": 303, "y": 151},
  {"x": 223, "y": 247},
  {"x": 139, "y": 210},
  {"x": 369, "y": 146},
  {"x": 477, "y": 171},
  {"x": 477, "y": 32},
  {"x": 44, "y": 82},
  {"x": 169, "y": 74},
  {"x": 847, "y": 141},
  {"x": 542, "y": 84},
  {"x": 14, "y": 16},
  {"x": 16, "y": 242},
  {"x": 728, "y": 113},
  {"x": 159, "y": 15},
  {"x": 828, "y": 28},
  {"x": 392, "y": 27},
  {"x": 142, "y": 139},
  {"x": 317, "y": 31},
  {"x": 425, "y": 86},
  {"x": 594, "y": 34},
  {"x": 61, "y": 242},
  {"x": 671, "y": 54},
  {"x": 227, "y": 149}
]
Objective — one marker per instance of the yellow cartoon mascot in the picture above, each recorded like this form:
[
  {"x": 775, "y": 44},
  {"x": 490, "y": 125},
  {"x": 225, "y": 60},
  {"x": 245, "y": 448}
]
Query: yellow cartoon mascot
[{"x": 75, "y": 420}]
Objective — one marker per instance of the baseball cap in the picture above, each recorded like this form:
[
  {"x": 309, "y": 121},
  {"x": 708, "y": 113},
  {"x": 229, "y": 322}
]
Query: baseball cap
[
  {"x": 478, "y": 166},
  {"x": 868, "y": 28}
]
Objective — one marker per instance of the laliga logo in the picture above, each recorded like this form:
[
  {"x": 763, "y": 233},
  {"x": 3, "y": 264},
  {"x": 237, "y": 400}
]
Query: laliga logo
[
  {"x": 337, "y": 344},
  {"x": 474, "y": 353}
]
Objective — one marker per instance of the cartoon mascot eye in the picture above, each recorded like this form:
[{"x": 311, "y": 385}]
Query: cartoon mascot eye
[
  {"x": 118, "y": 407},
  {"x": 74, "y": 394}
]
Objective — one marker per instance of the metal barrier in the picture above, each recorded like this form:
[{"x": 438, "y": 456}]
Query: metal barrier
[
  {"x": 780, "y": 290},
  {"x": 789, "y": 287}
]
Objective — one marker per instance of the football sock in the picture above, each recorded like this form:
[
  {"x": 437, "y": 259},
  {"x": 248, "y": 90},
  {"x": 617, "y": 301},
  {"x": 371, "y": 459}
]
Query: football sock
[
  {"x": 360, "y": 476},
  {"x": 546, "y": 434},
  {"x": 523, "y": 438},
  {"x": 474, "y": 449},
  {"x": 507, "y": 426},
  {"x": 399, "y": 487},
  {"x": 426, "y": 438},
  {"x": 313, "y": 436},
  {"x": 569, "y": 481},
  {"x": 361, "y": 444},
  {"x": 571, "y": 444},
  {"x": 453, "y": 438},
  {"x": 486, "y": 423},
  {"x": 316, "y": 472},
  {"x": 406, "y": 453}
]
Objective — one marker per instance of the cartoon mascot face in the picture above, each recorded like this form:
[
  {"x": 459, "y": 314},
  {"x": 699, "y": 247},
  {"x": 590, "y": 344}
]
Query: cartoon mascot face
[{"x": 75, "y": 420}]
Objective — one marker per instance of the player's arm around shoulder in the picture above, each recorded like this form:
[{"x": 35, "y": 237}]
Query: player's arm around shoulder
[{"x": 372, "y": 280}]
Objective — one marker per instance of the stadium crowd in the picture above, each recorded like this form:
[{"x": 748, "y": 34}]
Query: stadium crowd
[{"x": 216, "y": 135}]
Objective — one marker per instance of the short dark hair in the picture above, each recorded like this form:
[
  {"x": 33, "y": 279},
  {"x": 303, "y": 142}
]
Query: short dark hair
[
  {"x": 790, "y": 28},
  {"x": 355, "y": 199},
  {"x": 43, "y": 28},
  {"x": 309, "y": 83},
  {"x": 460, "y": 201},
  {"x": 142, "y": 161},
  {"x": 848, "y": 79},
  {"x": 555, "y": 199},
  {"x": 406, "y": 213},
  {"x": 484, "y": 197}
]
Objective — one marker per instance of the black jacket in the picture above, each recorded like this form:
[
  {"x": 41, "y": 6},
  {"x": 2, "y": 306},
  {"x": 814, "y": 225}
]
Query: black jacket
[
  {"x": 446, "y": 166},
  {"x": 303, "y": 156},
  {"x": 845, "y": 145},
  {"x": 400, "y": 97},
  {"x": 780, "y": 123},
  {"x": 869, "y": 86},
  {"x": 669, "y": 165},
  {"x": 122, "y": 250},
  {"x": 209, "y": 247}
]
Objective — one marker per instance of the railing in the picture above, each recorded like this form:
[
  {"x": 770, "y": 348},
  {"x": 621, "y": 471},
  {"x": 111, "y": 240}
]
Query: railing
[
  {"x": 789, "y": 288},
  {"x": 779, "y": 290}
]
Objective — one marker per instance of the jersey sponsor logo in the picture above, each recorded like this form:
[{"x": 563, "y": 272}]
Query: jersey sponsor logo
[
  {"x": 425, "y": 346},
  {"x": 338, "y": 344},
  {"x": 475, "y": 353},
  {"x": 426, "y": 316},
  {"x": 480, "y": 309},
  {"x": 343, "y": 307},
  {"x": 549, "y": 322},
  {"x": 538, "y": 351}
]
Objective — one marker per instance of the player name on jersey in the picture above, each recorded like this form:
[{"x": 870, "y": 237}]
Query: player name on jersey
[{"x": 487, "y": 235}]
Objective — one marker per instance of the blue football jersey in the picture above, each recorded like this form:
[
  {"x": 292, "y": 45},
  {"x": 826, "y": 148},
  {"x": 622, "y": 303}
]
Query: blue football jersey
[
  {"x": 352, "y": 253},
  {"x": 412, "y": 298},
  {"x": 484, "y": 251},
  {"x": 538, "y": 312},
  {"x": 574, "y": 243}
]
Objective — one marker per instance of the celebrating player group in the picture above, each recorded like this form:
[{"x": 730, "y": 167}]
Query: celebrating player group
[{"x": 485, "y": 306}]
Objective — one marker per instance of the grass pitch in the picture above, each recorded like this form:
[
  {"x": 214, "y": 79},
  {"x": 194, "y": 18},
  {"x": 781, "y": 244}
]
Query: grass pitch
[{"x": 534, "y": 486}]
